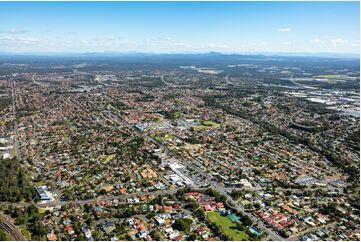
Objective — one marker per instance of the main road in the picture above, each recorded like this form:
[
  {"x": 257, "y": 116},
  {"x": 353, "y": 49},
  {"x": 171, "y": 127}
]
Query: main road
[
  {"x": 16, "y": 130},
  {"x": 95, "y": 200}
]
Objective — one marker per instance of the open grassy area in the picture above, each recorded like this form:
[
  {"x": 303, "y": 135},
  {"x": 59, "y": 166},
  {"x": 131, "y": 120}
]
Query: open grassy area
[
  {"x": 163, "y": 137},
  {"x": 39, "y": 183},
  {"x": 199, "y": 127},
  {"x": 177, "y": 114},
  {"x": 342, "y": 77},
  {"x": 210, "y": 123},
  {"x": 329, "y": 76},
  {"x": 106, "y": 158},
  {"x": 41, "y": 210},
  {"x": 205, "y": 124},
  {"x": 25, "y": 232},
  {"x": 227, "y": 226},
  {"x": 4, "y": 121}
]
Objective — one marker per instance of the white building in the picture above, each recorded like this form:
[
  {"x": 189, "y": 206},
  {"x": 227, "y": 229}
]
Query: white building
[{"x": 44, "y": 193}]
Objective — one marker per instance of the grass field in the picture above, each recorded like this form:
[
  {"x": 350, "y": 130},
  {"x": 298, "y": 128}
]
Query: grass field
[
  {"x": 206, "y": 124},
  {"x": 210, "y": 123},
  {"x": 227, "y": 225},
  {"x": 163, "y": 137},
  {"x": 106, "y": 158},
  {"x": 330, "y": 76},
  {"x": 41, "y": 210},
  {"x": 342, "y": 77},
  {"x": 39, "y": 183}
]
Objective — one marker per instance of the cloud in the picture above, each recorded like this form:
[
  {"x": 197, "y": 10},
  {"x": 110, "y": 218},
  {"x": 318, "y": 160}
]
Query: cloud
[
  {"x": 172, "y": 42},
  {"x": 218, "y": 46},
  {"x": 167, "y": 42},
  {"x": 317, "y": 41},
  {"x": 14, "y": 31},
  {"x": 334, "y": 43},
  {"x": 338, "y": 42},
  {"x": 284, "y": 29},
  {"x": 17, "y": 40},
  {"x": 263, "y": 43},
  {"x": 109, "y": 42}
]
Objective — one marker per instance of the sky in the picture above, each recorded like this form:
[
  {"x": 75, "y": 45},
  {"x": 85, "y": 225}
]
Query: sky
[{"x": 230, "y": 27}]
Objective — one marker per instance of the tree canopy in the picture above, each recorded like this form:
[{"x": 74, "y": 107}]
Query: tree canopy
[{"x": 13, "y": 182}]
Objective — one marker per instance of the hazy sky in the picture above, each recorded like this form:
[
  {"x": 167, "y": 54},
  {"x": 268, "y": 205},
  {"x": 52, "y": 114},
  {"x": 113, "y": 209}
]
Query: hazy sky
[{"x": 180, "y": 26}]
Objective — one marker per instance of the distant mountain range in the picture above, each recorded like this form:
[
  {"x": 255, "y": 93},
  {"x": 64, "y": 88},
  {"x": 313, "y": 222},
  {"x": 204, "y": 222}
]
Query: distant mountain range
[{"x": 182, "y": 54}]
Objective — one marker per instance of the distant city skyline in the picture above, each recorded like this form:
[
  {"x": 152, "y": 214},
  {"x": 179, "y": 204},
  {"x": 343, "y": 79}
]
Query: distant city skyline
[{"x": 162, "y": 27}]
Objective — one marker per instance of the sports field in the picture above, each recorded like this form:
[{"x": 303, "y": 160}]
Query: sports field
[{"x": 227, "y": 226}]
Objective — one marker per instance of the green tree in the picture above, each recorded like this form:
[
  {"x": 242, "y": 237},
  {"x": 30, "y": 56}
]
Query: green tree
[
  {"x": 246, "y": 221},
  {"x": 183, "y": 224},
  {"x": 156, "y": 235},
  {"x": 4, "y": 236}
]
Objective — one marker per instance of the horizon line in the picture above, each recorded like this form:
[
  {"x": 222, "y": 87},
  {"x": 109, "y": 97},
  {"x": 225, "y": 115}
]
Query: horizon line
[{"x": 181, "y": 53}]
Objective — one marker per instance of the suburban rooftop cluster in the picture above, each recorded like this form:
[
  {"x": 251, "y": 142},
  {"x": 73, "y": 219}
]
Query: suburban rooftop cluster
[{"x": 244, "y": 151}]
